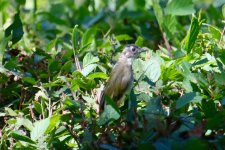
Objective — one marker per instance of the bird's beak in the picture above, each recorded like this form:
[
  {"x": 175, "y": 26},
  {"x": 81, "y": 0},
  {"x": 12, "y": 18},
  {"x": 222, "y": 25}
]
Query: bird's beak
[{"x": 142, "y": 50}]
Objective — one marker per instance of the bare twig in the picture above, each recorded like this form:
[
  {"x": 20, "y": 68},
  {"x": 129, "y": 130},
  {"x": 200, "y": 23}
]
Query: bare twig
[
  {"x": 77, "y": 61},
  {"x": 31, "y": 112},
  {"x": 168, "y": 47}
]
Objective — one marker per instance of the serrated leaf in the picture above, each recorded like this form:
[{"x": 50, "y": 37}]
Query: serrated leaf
[
  {"x": 192, "y": 34},
  {"x": 88, "y": 69},
  {"x": 39, "y": 129},
  {"x": 89, "y": 59}
]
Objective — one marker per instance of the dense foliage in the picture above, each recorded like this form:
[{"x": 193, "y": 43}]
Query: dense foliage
[{"x": 56, "y": 56}]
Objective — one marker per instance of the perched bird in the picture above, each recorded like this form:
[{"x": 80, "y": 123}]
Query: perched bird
[{"x": 121, "y": 77}]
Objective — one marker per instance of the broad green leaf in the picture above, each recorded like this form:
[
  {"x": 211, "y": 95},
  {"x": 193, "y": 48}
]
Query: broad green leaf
[
  {"x": 25, "y": 122},
  {"x": 88, "y": 36},
  {"x": 123, "y": 37},
  {"x": 180, "y": 7},
  {"x": 100, "y": 75},
  {"x": 158, "y": 12},
  {"x": 73, "y": 105},
  {"x": 139, "y": 41},
  {"x": 152, "y": 68},
  {"x": 51, "y": 45},
  {"x": 223, "y": 11},
  {"x": 188, "y": 98},
  {"x": 16, "y": 29},
  {"x": 39, "y": 129},
  {"x": 219, "y": 78},
  {"x": 10, "y": 112},
  {"x": 215, "y": 32},
  {"x": 54, "y": 121},
  {"x": 192, "y": 34},
  {"x": 68, "y": 66},
  {"x": 154, "y": 106},
  {"x": 170, "y": 26},
  {"x": 89, "y": 59},
  {"x": 82, "y": 82},
  {"x": 37, "y": 107},
  {"x": 29, "y": 80},
  {"x": 109, "y": 114},
  {"x": 20, "y": 137},
  {"x": 94, "y": 19},
  {"x": 88, "y": 69}
]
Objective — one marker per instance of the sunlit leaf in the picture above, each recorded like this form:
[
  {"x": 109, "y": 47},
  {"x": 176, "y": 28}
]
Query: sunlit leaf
[{"x": 188, "y": 98}]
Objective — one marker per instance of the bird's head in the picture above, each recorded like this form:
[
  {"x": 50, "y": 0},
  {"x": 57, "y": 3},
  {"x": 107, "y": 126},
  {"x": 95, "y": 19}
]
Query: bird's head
[{"x": 131, "y": 51}]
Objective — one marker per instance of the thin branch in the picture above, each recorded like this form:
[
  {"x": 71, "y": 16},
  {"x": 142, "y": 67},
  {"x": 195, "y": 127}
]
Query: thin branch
[
  {"x": 73, "y": 134},
  {"x": 168, "y": 47},
  {"x": 31, "y": 112},
  {"x": 77, "y": 61}
]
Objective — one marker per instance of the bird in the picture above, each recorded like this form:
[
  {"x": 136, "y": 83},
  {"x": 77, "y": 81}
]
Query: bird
[{"x": 121, "y": 77}]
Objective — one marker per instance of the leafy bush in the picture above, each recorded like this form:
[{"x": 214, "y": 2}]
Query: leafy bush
[{"x": 56, "y": 56}]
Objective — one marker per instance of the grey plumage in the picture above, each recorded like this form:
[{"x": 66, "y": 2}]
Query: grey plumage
[{"x": 121, "y": 76}]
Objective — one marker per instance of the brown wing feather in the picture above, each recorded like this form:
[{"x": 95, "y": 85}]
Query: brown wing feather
[{"x": 117, "y": 85}]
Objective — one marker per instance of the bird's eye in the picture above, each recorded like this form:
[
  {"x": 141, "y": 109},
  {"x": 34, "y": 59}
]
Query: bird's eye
[{"x": 133, "y": 49}]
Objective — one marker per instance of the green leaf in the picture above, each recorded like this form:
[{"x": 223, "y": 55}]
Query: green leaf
[
  {"x": 110, "y": 113},
  {"x": 76, "y": 34},
  {"x": 39, "y": 129},
  {"x": 89, "y": 59},
  {"x": 29, "y": 80},
  {"x": 88, "y": 36},
  {"x": 192, "y": 34},
  {"x": 215, "y": 32},
  {"x": 152, "y": 68},
  {"x": 16, "y": 29},
  {"x": 139, "y": 41},
  {"x": 73, "y": 105},
  {"x": 188, "y": 98},
  {"x": 68, "y": 66},
  {"x": 100, "y": 75},
  {"x": 158, "y": 12},
  {"x": 123, "y": 37},
  {"x": 223, "y": 11},
  {"x": 180, "y": 7},
  {"x": 3, "y": 43},
  {"x": 10, "y": 112},
  {"x": 219, "y": 78},
  {"x": 54, "y": 121},
  {"x": 37, "y": 107},
  {"x": 88, "y": 69},
  {"x": 25, "y": 122},
  {"x": 18, "y": 136},
  {"x": 51, "y": 45}
]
